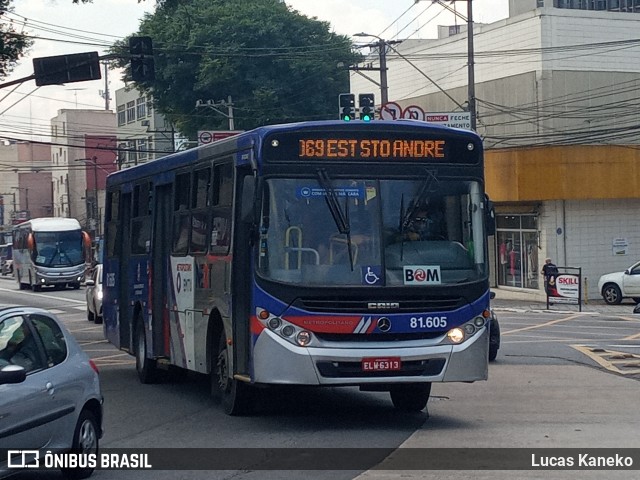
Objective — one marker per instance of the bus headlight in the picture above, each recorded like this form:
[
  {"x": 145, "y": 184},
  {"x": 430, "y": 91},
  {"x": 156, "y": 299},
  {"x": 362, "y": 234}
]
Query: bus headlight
[
  {"x": 303, "y": 338},
  {"x": 284, "y": 329},
  {"x": 455, "y": 335}
]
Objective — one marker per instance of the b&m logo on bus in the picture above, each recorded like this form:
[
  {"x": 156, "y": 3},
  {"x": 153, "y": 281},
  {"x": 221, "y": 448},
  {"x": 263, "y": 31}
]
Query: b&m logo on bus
[{"x": 421, "y": 275}]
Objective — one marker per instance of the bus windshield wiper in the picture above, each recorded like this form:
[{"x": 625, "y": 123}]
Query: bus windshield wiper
[
  {"x": 339, "y": 217},
  {"x": 425, "y": 188}
]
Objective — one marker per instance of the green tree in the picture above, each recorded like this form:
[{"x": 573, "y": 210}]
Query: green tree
[
  {"x": 13, "y": 44},
  {"x": 277, "y": 64}
]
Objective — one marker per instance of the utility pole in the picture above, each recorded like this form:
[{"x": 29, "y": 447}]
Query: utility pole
[
  {"x": 222, "y": 103},
  {"x": 471, "y": 80},
  {"x": 381, "y": 44},
  {"x": 471, "y": 66},
  {"x": 106, "y": 86}
]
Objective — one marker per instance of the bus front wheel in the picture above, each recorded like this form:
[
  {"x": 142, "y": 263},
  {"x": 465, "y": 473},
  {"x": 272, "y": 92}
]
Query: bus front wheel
[
  {"x": 146, "y": 367},
  {"x": 410, "y": 398},
  {"x": 235, "y": 396}
]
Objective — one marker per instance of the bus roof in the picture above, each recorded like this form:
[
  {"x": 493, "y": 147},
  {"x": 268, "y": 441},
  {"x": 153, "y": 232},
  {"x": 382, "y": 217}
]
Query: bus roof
[
  {"x": 245, "y": 140},
  {"x": 50, "y": 224}
]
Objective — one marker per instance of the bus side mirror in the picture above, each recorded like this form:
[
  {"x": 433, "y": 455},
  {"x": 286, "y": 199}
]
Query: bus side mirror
[{"x": 490, "y": 219}]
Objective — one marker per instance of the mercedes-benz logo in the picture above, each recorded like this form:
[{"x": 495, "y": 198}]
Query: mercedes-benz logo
[{"x": 384, "y": 324}]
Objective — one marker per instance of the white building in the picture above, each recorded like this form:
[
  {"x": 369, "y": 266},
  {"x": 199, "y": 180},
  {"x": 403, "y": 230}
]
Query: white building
[
  {"x": 143, "y": 134},
  {"x": 557, "y": 91}
]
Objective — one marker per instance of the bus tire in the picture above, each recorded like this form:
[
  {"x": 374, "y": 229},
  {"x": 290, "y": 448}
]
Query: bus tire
[
  {"x": 85, "y": 440},
  {"x": 411, "y": 397},
  {"x": 235, "y": 396},
  {"x": 146, "y": 367}
]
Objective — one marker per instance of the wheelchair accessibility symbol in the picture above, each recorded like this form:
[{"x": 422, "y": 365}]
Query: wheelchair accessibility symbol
[{"x": 372, "y": 275}]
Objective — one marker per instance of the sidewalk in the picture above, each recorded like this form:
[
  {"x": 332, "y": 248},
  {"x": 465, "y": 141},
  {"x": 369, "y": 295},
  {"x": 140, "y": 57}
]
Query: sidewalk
[{"x": 594, "y": 306}]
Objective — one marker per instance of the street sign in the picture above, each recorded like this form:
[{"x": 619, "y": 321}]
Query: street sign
[
  {"x": 390, "y": 111},
  {"x": 450, "y": 119},
  {"x": 208, "y": 136},
  {"x": 413, "y": 112}
]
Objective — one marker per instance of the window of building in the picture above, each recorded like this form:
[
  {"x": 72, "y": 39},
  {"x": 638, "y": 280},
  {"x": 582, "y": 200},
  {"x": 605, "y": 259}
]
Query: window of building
[
  {"x": 122, "y": 115},
  {"x": 517, "y": 250},
  {"x": 143, "y": 153},
  {"x": 131, "y": 111},
  {"x": 132, "y": 154},
  {"x": 141, "y": 108},
  {"x": 149, "y": 107}
]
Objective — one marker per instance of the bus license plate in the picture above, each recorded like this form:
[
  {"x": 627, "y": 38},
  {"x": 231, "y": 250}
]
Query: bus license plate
[{"x": 385, "y": 364}]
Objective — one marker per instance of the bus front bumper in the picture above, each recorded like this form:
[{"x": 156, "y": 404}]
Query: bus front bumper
[{"x": 277, "y": 361}]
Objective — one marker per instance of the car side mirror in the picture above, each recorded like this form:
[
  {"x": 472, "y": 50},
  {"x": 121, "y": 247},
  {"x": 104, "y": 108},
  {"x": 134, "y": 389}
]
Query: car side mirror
[
  {"x": 492, "y": 295},
  {"x": 627, "y": 272},
  {"x": 12, "y": 374}
]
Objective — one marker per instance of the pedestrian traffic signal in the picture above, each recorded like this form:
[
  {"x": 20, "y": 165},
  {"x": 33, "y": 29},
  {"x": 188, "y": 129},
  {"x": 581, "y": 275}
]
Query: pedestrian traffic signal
[
  {"x": 347, "y": 106},
  {"x": 367, "y": 104},
  {"x": 142, "y": 66}
]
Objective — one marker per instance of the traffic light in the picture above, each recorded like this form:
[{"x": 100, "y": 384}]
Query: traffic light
[
  {"x": 367, "y": 104},
  {"x": 75, "y": 67},
  {"x": 142, "y": 66},
  {"x": 347, "y": 106}
]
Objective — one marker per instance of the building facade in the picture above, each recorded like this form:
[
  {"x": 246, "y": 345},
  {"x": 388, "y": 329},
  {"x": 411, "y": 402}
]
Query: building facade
[
  {"x": 83, "y": 153},
  {"x": 143, "y": 134},
  {"x": 556, "y": 92}
]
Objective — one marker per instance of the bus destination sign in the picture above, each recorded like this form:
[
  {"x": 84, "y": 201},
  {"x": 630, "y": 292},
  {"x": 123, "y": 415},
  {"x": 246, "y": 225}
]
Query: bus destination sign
[
  {"x": 370, "y": 148},
  {"x": 363, "y": 146}
]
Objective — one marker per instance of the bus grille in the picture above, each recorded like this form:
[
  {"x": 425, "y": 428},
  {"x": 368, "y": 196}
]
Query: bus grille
[
  {"x": 376, "y": 337},
  {"x": 363, "y": 306},
  {"x": 418, "y": 368}
]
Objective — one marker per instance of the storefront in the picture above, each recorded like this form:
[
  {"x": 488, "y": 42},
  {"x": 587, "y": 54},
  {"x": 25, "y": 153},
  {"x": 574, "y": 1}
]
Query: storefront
[{"x": 517, "y": 250}]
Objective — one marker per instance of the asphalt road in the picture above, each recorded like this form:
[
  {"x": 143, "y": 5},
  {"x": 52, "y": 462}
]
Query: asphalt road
[{"x": 561, "y": 357}]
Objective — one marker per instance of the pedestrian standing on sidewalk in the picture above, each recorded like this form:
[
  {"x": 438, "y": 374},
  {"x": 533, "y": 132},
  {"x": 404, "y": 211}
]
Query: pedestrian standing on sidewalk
[{"x": 549, "y": 270}]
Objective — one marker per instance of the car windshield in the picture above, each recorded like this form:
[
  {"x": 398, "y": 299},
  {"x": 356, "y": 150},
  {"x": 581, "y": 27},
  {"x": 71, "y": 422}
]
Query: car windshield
[
  {"x": 373, "y": 232},
  {"x": 58, "y": 249}
]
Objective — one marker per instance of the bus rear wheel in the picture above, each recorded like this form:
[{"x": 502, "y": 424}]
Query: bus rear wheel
[
  {"x": 146, "y": 367},
  {"x": 411, "y": 397},
  {"x": 235, "y": 396}
]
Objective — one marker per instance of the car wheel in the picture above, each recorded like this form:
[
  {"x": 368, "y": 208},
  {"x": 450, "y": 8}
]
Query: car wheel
[
  {"x": 612, "y": 294},
  {"x": 85, "y": 440},
  {"x": 236, "y": 397},
  {"x": 90, "y": 315},
  {"x": 410, "y": 398},
  {"x": 146, "y": 367}
]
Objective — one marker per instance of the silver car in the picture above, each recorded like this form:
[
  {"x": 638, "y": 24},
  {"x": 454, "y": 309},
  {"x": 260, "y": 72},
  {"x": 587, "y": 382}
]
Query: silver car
[
  {"x": 93, "y": 293},
  {"x": 50, "y": 394}
]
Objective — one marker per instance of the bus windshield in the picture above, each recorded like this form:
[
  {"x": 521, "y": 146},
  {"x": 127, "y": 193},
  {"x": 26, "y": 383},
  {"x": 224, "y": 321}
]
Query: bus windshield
[
  {"x": 58, "y": 249},
  {"x": 377, "y": 232}
]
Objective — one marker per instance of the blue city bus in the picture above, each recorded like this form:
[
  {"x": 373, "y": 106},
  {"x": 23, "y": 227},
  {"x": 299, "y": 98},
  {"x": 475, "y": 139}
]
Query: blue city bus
[{"x": 319, "y": 253}]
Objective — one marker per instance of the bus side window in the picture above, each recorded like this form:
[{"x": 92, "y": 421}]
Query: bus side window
[
  {"x": 181, "y": 214},
  {"x": 200, "y": 200},
  {"x": 113, "y": 228},
  {"x": 220, "y": 238}
]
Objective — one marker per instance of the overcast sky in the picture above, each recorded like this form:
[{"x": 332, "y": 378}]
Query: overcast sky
[{"x": 63, "y": 27}]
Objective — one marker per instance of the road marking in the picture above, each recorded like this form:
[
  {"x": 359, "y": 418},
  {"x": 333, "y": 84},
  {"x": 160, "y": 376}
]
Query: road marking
[
  {"x": 44, "y": 295},
  {"x": 619, "y": 362},
  {"x": 546, "y": 324}
]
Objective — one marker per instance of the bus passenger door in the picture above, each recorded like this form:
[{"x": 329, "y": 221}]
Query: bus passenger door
[
  {"x": 160, "y": 260},
  {"x": 124, "y": 289}
]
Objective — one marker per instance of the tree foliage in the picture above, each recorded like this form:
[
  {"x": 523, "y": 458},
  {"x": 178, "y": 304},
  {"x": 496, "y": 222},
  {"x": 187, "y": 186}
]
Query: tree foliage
[
  {"x": 13, "y": 44},
  {"x": 276, "y": 64}
]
